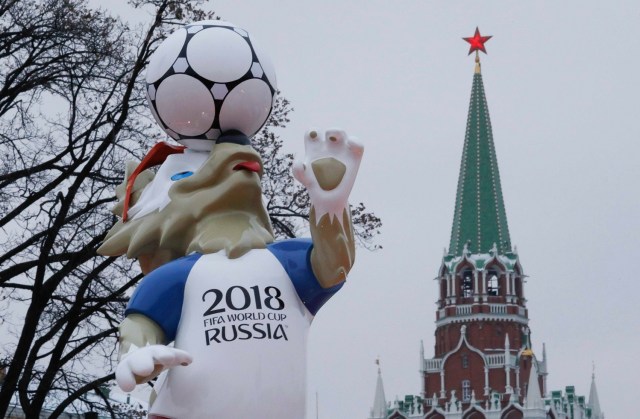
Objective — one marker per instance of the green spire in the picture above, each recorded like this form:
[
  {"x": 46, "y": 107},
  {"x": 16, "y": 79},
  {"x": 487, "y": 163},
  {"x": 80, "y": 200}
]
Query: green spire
[{"x": 479, "y": 218}]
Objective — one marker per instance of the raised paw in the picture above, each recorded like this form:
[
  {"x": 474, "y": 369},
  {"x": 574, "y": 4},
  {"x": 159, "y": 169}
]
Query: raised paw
[{"x": 329, "y": 169}]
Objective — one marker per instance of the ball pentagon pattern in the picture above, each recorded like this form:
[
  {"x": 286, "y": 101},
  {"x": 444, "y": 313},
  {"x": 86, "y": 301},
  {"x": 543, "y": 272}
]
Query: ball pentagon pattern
[{"x": 207, "y": 78}]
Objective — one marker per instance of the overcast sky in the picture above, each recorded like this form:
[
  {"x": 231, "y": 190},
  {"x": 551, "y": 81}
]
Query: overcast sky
[{"x": 562, "y": 88}]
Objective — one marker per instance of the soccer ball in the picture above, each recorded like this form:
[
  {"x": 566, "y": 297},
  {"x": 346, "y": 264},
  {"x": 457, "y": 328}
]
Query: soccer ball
[{"x": 208, "y": 78}]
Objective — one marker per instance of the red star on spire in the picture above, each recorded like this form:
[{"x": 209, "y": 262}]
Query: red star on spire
[{"x": 477, "y": 42}]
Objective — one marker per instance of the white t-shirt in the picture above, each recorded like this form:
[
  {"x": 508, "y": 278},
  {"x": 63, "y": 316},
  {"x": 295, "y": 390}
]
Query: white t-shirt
[{"x": 245, "y": 321}]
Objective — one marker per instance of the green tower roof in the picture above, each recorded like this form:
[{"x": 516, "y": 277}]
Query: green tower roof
[{"x": 479, "y": 218}]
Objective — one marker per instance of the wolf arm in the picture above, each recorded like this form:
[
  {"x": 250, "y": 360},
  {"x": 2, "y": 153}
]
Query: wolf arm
[
  {"x": 151, "y": 322},
  {"x": 143, "y": 355}
]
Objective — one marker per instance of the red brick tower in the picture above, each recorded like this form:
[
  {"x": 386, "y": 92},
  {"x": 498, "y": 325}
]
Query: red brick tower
[{"x": 483, "y": 353}]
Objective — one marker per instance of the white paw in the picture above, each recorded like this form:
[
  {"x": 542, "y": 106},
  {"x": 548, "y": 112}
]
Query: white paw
[
  {"x": 329, "y": 170},
  {"x": 142, "y": 361}
]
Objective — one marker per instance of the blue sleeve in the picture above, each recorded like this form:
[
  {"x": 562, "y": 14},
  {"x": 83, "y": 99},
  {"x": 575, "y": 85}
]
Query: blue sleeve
[
  {"x": 160, "y": 294},
  {"x": 295, "y": 257}
]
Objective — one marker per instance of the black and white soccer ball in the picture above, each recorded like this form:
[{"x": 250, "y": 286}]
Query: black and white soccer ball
[{"x": 208, "y": 78}]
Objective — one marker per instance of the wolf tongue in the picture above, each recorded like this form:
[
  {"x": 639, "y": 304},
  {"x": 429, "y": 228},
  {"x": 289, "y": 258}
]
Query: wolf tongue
[{"x": 252, "y": 166}]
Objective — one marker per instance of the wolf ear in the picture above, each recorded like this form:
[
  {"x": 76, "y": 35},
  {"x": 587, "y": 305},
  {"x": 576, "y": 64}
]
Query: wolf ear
[{"x": 142, "y": 180}]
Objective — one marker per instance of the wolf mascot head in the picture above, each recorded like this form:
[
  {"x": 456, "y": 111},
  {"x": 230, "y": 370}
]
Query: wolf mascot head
[{"x": 197, "y": 202}]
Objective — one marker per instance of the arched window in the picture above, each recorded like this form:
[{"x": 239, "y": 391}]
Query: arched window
[
  {"x": 466, "y": 390},
  {"x": 493, "y": 284},
  {"x": 466, "y": 284},
  {"x": 512, "y": 413}
]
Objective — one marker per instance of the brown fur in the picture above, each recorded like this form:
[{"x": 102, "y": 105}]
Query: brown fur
[
  {"x": 334, "y": 248},
  {"x": 333, "y": 243}
]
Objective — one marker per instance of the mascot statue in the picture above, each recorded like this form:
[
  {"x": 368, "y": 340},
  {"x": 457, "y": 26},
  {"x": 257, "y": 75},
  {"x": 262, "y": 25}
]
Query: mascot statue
[{"x": 223, "y": 312}]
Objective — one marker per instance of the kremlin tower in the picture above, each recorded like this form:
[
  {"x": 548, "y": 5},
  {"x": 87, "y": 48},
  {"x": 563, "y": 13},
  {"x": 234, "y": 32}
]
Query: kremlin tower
[{"x": 484, "y": 365}]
